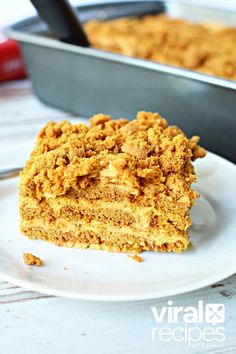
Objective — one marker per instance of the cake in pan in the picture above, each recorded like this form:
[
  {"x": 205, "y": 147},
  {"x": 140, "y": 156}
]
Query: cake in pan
[
  {"x": 209, "y": 48},
  {"x": 117, "y": 185}
]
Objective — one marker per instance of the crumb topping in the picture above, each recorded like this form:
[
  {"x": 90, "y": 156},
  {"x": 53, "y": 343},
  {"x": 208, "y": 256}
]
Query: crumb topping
[
  {"x": 141, "y": 154},
  {"x": 206, "y": 47},
  {"x": 30, "y": 259}
]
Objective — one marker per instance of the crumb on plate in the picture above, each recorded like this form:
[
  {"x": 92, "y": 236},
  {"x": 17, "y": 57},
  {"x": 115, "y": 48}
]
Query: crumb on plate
[
  {"x": 30, "y": 259},
  {"x": 190, "y": 246},
  {"x": 136, "y": 258}
]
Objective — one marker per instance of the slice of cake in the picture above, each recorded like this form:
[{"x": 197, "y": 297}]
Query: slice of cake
[{"x": 115, "y": 185}]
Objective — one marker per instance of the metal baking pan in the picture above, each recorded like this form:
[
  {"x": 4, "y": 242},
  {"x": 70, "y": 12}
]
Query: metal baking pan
[{"x": 86, "y": 80}]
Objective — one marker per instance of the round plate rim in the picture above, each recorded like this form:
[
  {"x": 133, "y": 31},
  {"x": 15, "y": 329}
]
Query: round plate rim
[{"x": 197, "y": 285}]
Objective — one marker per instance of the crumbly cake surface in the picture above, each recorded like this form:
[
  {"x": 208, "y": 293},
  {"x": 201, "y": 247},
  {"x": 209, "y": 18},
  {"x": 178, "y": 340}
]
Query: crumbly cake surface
[
  {"x": 115, "y": 185},
  {"x": 209, "y": 48}
]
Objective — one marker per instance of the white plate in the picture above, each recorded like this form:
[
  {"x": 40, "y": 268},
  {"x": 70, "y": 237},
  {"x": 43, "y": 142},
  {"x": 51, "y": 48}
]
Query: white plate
[{"x": 99, "y": 275}]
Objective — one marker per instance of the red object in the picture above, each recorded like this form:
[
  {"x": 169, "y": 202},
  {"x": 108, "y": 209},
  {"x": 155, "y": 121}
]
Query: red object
[{"x": 11, "y": 63}]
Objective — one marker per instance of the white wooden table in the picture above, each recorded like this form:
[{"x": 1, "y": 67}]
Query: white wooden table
[{"x": 36, "y": 323}]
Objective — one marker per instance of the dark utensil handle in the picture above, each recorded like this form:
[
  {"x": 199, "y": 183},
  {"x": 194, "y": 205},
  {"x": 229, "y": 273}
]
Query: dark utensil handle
[
  {"x": 62, "y": 20},
  {"x": 10, "y": 173}
]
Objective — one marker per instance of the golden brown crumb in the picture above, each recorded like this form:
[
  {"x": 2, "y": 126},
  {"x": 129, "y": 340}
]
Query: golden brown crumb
[
  {"x": 136, "y": 258},
  {"x": 208, "y": 48},
  {"x": 190, "y": 246},
  {"x": 30, "y": 259}
]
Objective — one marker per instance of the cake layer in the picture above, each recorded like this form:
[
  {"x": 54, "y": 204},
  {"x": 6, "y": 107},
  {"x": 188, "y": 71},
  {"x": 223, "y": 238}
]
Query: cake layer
[
  {"x": 116, "y": 222},
  {"x": 114, "y": 213},
  {"x": 105, "y": 240},
  {"x": 154, "y": 233}
]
